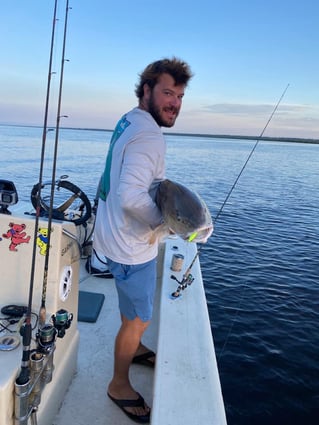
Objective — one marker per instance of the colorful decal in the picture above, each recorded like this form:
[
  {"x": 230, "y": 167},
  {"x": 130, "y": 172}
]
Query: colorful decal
[
  {"x": 17, "y": 235},
  {"x": 42, "y": 239}
]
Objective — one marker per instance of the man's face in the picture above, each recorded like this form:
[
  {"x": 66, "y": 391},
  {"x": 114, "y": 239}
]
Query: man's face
[{"x": 164, "y": 101}]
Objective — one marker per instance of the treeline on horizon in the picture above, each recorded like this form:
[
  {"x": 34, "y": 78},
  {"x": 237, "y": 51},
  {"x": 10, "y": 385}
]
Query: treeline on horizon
[
  {"x": 224, "y": 136},
  {"x": 212, "y": 136}
]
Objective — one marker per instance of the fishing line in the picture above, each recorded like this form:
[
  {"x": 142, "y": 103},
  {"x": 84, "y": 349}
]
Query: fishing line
[
  {"x": 233, "y": 322},
  {"x": 224, "y": 203},
  {"x": 42, "y": 313},
  {"x": 24, "y": 374}
]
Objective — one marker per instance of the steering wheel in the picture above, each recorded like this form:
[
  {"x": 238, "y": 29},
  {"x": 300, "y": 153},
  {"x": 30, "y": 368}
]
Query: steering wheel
[{"x": 76, "y": 208}]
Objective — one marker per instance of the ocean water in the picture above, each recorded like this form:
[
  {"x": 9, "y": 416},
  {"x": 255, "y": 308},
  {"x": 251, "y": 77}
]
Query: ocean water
[{"x": 260, "y": 267}]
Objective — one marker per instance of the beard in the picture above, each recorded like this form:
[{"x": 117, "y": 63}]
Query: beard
[{"x": 157, "y": 113}]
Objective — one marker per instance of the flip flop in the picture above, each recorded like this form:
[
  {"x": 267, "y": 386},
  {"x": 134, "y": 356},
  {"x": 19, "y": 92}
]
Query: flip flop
[
  {"x": 144, "y": 359},
  {"x": 139, "y": 402}
]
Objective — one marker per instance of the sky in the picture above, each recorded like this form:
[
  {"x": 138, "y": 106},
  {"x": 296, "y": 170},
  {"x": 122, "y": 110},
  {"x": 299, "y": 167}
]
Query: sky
[{"x": 243, "y": 54}]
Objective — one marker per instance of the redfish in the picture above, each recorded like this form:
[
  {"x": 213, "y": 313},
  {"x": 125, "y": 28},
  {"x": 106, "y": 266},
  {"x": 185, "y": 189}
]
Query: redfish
[{"x": 184, "y": 212}]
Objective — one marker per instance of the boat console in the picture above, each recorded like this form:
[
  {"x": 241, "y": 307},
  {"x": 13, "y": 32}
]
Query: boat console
[{"x": 18, "y": 237}]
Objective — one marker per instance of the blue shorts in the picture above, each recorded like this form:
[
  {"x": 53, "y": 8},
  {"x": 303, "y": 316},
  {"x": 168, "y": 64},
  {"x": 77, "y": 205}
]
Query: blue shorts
[{"x": 135, "y": 286}]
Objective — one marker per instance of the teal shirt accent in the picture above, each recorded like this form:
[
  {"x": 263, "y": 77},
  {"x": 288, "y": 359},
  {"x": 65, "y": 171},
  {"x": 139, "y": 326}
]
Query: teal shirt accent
[{"x": 105, "y": 181}]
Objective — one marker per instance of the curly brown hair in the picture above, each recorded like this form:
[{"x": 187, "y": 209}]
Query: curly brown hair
[{"x": 175, "y": 67}]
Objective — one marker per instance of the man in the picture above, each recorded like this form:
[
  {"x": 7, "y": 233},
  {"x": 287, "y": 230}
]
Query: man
[{"x": 127, "y": 216}]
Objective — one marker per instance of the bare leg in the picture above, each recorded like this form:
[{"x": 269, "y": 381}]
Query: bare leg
[{"x": 126, "y": 345}]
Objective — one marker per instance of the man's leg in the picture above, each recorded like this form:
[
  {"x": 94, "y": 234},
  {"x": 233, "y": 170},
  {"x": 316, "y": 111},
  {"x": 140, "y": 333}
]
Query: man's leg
[{"x": 126, "y": 345}]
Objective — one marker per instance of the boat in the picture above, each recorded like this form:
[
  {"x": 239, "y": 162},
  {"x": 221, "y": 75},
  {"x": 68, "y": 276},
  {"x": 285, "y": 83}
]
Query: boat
[
  {"x": 69, "y": 374},
  {"x": 58, "y": 321}
]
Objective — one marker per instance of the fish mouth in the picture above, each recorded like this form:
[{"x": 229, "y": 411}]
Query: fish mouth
[{"x": 199, "y": 236}]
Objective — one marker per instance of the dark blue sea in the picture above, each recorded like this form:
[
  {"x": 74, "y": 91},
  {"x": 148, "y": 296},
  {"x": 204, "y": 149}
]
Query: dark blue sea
[{"x": 260, "y": 267}]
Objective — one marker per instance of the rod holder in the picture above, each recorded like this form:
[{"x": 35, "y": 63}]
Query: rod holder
[
  {"x": 37, "y": 362},
  {"x": 28, "y": 396},
  {"x": 48, "y": 368},
  {"x": 21, "y": 408}
]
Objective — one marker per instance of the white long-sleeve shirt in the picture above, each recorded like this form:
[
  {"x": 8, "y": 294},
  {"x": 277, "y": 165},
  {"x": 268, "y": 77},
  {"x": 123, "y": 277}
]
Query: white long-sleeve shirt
[{"x": 127, "y": 213}]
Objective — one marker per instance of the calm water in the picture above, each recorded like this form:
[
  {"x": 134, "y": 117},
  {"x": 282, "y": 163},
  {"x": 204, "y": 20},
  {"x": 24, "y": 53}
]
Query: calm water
[{"x": 260, "y": 267}]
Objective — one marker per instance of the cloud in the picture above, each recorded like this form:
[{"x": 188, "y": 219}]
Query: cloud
[
  {"x": 289, "y": 120},
  {"x": 239, "y": 109},
  {"x": 236, "y": 108}
]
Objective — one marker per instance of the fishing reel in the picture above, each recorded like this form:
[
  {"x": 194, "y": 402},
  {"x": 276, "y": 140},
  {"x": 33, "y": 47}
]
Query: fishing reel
[
  {"x": 186, "y": 281},
  {"x": 46, "y": 337},
  {"x": 76, "y": 208},
  {"x": 47, "y": 334},
  {"x": 62, "y": 321}
]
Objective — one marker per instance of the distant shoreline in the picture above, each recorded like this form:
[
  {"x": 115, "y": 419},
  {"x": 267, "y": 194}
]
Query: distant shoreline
[
  {"x": 212, "y": 136},
  {"x": 264, "y": 138}
]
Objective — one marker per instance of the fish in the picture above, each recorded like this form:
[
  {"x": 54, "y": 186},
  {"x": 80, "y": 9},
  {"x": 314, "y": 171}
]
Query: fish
[{"x": 184, "y": 213}]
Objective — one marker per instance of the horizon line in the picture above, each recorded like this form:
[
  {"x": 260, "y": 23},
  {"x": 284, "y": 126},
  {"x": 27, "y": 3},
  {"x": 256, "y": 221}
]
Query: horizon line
[{"x": 215, "y": 136}]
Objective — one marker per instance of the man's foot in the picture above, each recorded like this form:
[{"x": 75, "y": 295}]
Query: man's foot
[
  {"x": 146, "y": 359},
  {"x": 135, "y": 409},
  {"x": 144, "y": 356}
]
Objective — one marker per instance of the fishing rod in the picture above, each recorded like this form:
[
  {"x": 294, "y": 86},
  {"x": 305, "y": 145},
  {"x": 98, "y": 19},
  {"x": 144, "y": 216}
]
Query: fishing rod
[
  {"x": 187, "y": 278},
  {"x": 42, "y": 314},
  {"x": 24, "y": 375},
  {"x": 251, "y": 153}
]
